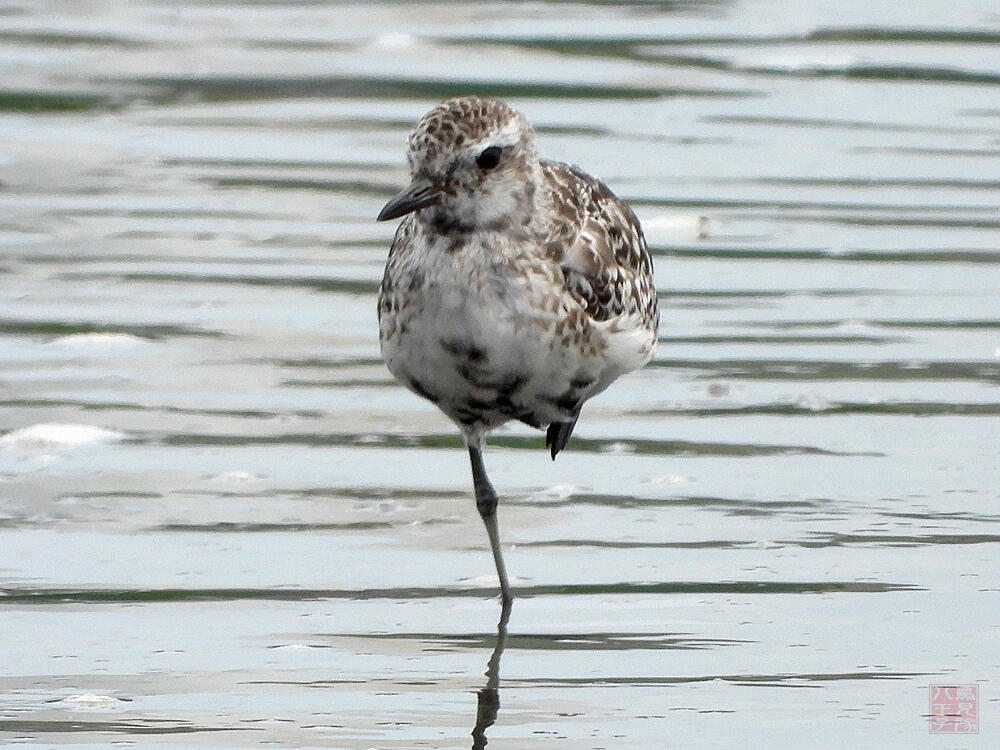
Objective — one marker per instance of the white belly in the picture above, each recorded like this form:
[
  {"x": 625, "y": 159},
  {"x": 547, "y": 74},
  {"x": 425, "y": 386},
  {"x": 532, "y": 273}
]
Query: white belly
[{"x": 488, "y": 347}]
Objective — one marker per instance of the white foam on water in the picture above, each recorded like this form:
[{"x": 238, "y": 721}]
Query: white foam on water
[
  {"x": 236, "y": 477},
  {"x": 676, "y": 226},
  {"x": 98, "y": 341},
  {"x": 394, "y": 40},
  {"x": 89, "y": 702},
  {"x": 618, "y": 448},
  {"x": 766, "y": 544},
  {"x": 812, "y": 402},
  {"x": 812, "y": 60},
  {"x": 491, "y": 580},
  {"x": 50, "y": 435},
  {"x": 553, "y": 494},
  {"x": 669, "y": 480},
  {"x": 858, "y": 326}
]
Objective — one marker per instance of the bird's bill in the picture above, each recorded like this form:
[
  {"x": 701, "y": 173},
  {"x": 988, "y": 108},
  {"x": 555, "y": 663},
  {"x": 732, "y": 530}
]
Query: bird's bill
[{"x": 420, "y": 194}]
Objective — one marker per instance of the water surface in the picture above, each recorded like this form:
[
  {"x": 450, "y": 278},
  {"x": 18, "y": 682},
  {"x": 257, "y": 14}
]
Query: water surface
[{"x": 222, "y": 524}]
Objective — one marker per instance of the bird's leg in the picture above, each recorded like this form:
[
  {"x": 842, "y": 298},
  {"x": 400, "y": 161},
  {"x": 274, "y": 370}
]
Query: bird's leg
[{"x": 486, "y": 502}]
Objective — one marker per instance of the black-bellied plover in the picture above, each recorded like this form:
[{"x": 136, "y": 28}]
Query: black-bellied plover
[{"x": 515, "y": 288}]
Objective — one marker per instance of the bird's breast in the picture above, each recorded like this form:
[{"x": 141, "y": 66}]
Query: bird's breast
[{"x": 481, "y": 336}]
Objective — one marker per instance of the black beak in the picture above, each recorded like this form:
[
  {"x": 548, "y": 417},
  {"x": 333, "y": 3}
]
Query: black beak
[{"x": 420, "y": 194}]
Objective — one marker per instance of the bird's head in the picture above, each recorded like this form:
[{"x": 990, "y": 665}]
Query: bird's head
[{"x": 473, "y": 166}]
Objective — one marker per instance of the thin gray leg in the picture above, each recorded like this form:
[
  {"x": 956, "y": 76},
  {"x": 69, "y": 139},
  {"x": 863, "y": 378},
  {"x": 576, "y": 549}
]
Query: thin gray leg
[{"x": 486, "y": 502}]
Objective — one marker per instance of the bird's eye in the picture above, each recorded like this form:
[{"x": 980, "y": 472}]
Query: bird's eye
[{"x": 489, "y": 158}]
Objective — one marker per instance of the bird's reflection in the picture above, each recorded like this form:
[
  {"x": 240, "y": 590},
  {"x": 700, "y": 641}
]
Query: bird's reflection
[{"x": 488, "y": 702}]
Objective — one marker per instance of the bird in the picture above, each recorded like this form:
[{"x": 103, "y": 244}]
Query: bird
[{"x": 515, "y": 288}]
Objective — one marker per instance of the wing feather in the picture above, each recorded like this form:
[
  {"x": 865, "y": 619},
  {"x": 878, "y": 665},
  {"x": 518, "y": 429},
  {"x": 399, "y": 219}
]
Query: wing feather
[{"x": 599, "y": 245}]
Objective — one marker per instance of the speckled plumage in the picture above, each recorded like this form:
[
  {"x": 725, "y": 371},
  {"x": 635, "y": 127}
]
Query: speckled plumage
[
  {"x": 515, "y": 288},
  {"x": 521, "y": 314}
]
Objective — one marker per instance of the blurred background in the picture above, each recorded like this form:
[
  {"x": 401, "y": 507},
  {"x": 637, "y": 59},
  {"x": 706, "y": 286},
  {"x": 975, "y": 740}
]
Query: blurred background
[{"x": 222, "y": 524}]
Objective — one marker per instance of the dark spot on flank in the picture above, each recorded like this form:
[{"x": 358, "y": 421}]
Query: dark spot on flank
[
  {"x": 567, "y": 402},
  {"x": 464, "y": 350},
  {"x": 422, "y": 390},
  {"x": 465, "y": 416},
  {"x": 529, "y": 418},
  {"x": 581, "y": 382},
  {"x": 471, "y": 375},
  {"x": 508, "y": 387},
  {"x": 505, "y": 387},
  {"x": 479, "y": 404}
]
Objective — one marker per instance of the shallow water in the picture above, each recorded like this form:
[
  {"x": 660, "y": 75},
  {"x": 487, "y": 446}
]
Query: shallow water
[{"x": 223, "y": 525}]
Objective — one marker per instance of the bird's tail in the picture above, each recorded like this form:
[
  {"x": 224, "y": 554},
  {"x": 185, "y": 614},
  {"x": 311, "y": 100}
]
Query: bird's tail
[{"x": 558, "y": 434}]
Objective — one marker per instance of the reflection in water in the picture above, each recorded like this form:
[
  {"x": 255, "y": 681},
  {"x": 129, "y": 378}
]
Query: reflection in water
[
  {"x": 488, "y": 702},
  {"x": 186, "y": 204}
]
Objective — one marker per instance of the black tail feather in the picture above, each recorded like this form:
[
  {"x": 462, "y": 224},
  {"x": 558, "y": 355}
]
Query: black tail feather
[{"x": 558, "y": 434}]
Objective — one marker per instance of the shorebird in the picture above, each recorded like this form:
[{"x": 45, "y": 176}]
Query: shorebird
[{"x": 515, "y": 288}]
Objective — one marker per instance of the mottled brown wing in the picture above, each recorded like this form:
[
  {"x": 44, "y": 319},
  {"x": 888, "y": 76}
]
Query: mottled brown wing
[{"x": 600, "y": 247}]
